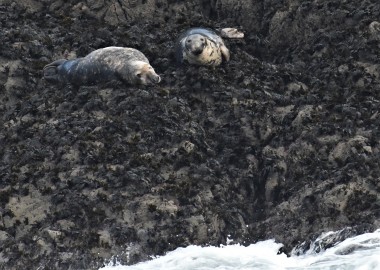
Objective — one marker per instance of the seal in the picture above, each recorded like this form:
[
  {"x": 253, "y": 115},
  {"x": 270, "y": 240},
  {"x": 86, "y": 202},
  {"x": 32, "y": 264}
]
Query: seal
[
  {"x": 200, "y": 46},
  {"x": 111, "y": 63}
]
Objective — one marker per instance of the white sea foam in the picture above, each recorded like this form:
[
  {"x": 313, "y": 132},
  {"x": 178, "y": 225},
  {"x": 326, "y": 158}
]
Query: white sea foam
[{"x": 362, "y": 253}]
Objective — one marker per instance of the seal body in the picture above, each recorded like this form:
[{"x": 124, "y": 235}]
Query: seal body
[
  {"x": 111, "y": 63},
  {"x": 200, "y": 46}
]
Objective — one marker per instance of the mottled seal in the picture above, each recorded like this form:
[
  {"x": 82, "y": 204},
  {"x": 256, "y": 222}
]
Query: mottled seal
[
  {"x": 201, "y": 46},
  {"x": 111, "y": 63}
]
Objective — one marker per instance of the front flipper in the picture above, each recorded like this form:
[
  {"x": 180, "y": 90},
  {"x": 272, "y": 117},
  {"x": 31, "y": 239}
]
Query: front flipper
[
  {"x": 225, "y": 52},
  {"x": 51, "y": 71}
]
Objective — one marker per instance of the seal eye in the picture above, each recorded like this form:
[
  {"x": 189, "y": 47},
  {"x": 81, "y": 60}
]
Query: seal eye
[
  {"x": 202, "y": 39},
  {"x": 189, "y": 40},
  {"x": 138, "y": 75}
]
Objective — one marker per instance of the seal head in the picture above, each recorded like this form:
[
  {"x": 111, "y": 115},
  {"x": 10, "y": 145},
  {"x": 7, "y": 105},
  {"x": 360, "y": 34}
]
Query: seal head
[
  {"x": 111, "y": 63},
  {"x": 201, "y": 46},
  {"x": 195, "y": 44},
  {"x": 143, "y": 73}
]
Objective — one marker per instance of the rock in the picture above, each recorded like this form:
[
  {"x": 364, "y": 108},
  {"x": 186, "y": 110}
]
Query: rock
[
  {"x": 374, "y": 30},
  {"x": 231, "y": 33},
  {"x": 54, "y": 235},
  {"x": 188, "y": 146},
  {"x": 29, "y": 209},
  {"x": 295, "y": 87},
  {"x": 4, "y": 236},
  {"x": 280, "y": 143},
  {"x": 328, "y": 239},
  {"x": 353, "y": 146},
  {"x": 105, "y": 239}
]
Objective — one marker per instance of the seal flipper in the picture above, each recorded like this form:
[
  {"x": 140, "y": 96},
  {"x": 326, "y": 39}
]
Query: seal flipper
[
  {"x": 51, "y": 72},
  {"x": 225, "y": 52}
]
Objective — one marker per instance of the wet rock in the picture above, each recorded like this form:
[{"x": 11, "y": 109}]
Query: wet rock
[
  {"x": 282, "y": 142},
  {"x": 4, "y": 236},
  {"x": 329, "y": 239},
  {"x": 353, "y": 146},
  {"x": 54, "y": 235},
  {"x": 231, "y": 33},
  {"x": 374, "y": 30},
  {"x": 29, "y": 209}
]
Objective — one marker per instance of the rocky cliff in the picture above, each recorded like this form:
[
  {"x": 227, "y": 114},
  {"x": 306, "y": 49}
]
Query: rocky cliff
[{"x": 282, "y": 142}]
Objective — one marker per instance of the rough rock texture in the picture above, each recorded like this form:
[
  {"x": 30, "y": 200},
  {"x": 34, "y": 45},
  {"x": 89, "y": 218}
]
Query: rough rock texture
[{"x": 282, "y": 142}]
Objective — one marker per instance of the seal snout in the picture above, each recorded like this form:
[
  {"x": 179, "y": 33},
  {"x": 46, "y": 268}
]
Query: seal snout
[
  {"x": 158, "y": 79},
  {"x": 154, "y": 78},
  {"x": 197, "y": 51},
  {"x": 145, "y": 74}
]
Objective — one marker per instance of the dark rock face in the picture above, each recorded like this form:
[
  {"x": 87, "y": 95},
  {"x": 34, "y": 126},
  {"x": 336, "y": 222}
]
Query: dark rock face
[{"x": 282, "y": 142}]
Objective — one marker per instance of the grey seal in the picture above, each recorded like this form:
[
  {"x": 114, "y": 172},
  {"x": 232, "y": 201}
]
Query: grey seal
[
  {"x": 201, "y": 46},
  {"x": 111, "y": 63}
]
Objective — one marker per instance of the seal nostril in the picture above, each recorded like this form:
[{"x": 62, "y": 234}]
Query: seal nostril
[{"x": 158, "y": 79}]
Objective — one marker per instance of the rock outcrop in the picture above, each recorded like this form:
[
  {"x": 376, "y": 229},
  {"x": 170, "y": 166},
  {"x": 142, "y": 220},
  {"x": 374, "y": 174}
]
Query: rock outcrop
[{"x": 282, "y": 142}]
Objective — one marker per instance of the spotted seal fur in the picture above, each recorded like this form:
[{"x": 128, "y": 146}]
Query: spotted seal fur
[
  {"x": 201, "y": 46},
  {"x": 111, "y": 63}
]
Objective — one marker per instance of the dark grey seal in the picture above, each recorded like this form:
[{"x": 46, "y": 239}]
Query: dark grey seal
[
  {"x": 111, "y": 63},
  {"x": 201, "y": 46}
]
